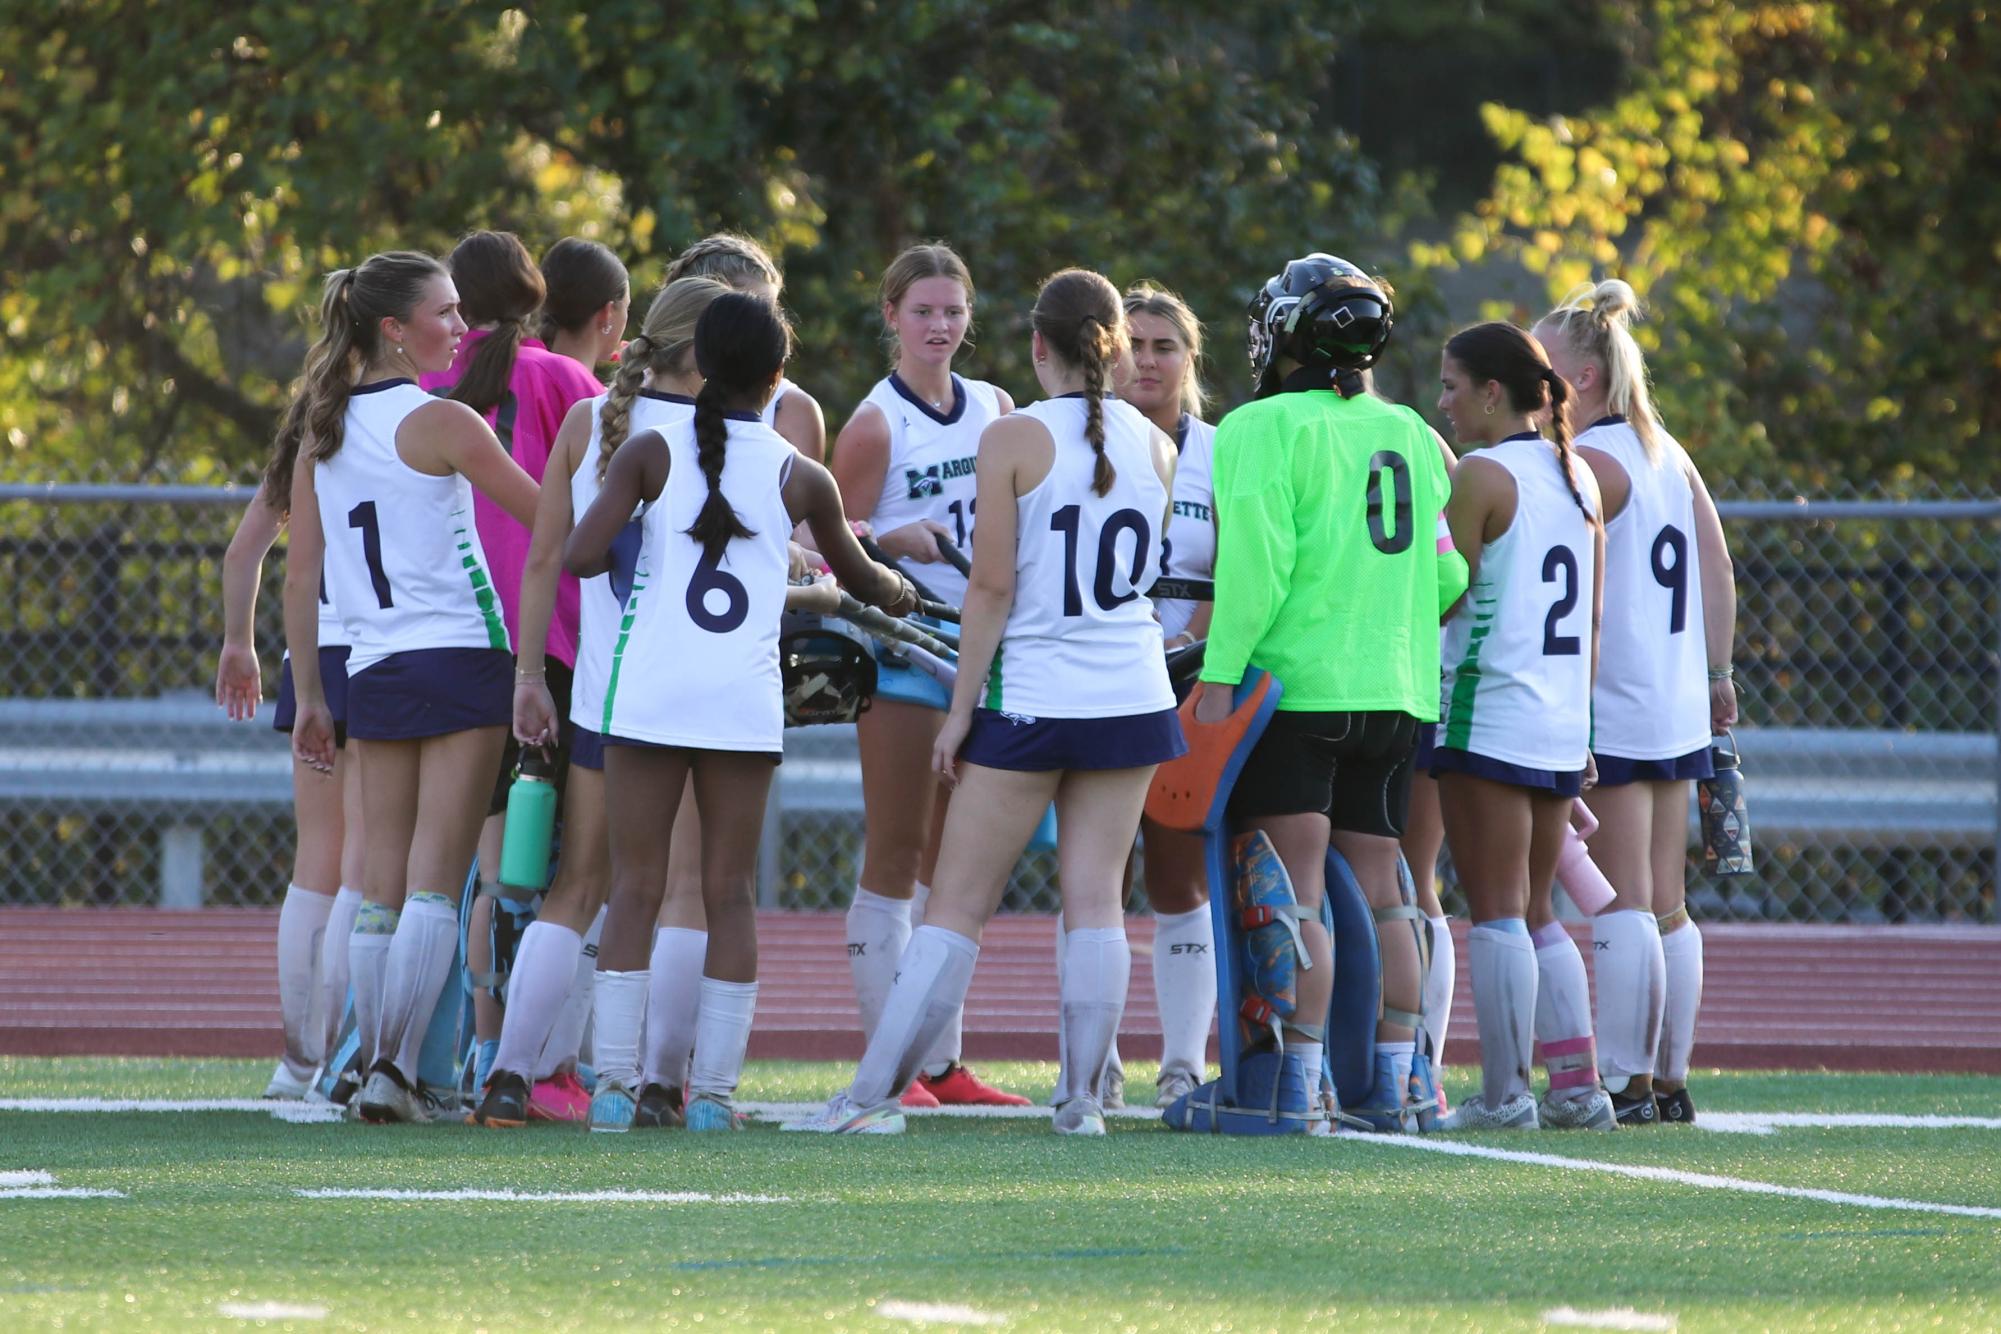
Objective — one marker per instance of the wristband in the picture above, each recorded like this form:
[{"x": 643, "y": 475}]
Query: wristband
[
  {"x": 1723, "y": 673},
  {"x": 522, "y": 678}
]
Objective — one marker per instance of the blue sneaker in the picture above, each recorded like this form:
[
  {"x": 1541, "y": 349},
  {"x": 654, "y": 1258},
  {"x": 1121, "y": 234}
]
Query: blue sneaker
[
  {"x": 1387, "y": 1109},
  {"x": 708, "y": 1112},
  {"x": 612, "y": 1107}
]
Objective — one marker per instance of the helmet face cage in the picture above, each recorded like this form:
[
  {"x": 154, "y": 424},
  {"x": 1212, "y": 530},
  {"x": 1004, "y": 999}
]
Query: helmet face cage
[
  {"x": 1320, "y": 310},
  {"x": 828, "y": 669}
]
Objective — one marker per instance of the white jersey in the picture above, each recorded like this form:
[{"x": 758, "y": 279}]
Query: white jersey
[
  {"x": 1652, "y": 697},
  {"x": 1518, "y": 654},
  {"x": 1189, "y": 549},
  {"x": 403, "y": 560},
  {"x": 695, "y": 662},
  {"x": 930, "y": 472},
  {"x": 770, "y": 413},
  {"x": 598, "y": 608},
  {"x": 1081, "y": 641}
]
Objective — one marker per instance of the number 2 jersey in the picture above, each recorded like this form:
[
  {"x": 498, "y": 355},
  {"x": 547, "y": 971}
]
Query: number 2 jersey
[
  {"x": 1652, "y": 697},
  {"x": 930, "y": 472},
  {"x": 403, "y": 561},
  {"x": 1517, "y": 683},
  {"x": 695, "y": 662},
  {"x": 1081, "y": 640}
]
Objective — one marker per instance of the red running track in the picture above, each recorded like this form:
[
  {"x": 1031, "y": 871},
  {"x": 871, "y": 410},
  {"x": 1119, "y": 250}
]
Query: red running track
[{"x": 150, "y": 982}]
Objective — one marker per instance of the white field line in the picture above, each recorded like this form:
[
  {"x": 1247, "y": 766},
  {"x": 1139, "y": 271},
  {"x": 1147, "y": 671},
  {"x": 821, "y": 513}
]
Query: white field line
[
  {"x": 305, "y": 1112},
  {"x": 32, "y": 1184},
  {"x": 1764, "y": 1123},
  {"x": 936, "y": 1313},
  {"x": 538, "y": 1196},
  {"x": 27, "y": 1179},
  {"x": 1615, "y": 1317},
  {"x": 1673, "y": 1176},
  {"x": 270, "y": 1311},
  {"x": 792, "y": 1111}
]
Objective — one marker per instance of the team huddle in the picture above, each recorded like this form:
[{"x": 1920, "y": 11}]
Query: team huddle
[{"x": 497, "y": 564}]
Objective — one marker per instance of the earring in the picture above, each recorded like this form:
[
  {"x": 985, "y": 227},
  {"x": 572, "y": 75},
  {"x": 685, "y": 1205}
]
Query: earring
[
  {"x": 604, "y": 328},
  {"x": 1490, "y": 409}
]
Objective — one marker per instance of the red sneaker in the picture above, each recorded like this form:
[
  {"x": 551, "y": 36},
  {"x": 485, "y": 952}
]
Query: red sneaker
[
  {"x": 559, "y": 1098},
  {"x": 960, "y": 1087},
  {"x": 918, "y": 1096}
]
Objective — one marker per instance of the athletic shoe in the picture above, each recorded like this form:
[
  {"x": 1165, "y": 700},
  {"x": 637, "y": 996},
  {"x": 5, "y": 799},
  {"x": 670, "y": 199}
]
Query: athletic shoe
[
  {"x": 1593, "y": 1111},
  {"x": 344, "y": 1088},
  {"x": 844, "y": 1116},
  {"x": 1517, "y": 1113},
  {"x": 659, "y": 1108},
  {"x": 1113, "y": 1095},
  {"x": 386, "y": 1100},
  {"x": 1676, "y": 1108},
  {"x": 1638, "y": 1111},
  {"x": 1079, "y": 1116},
  {"x": 918, "y": 1098},
  {"x": 286, "y": 1086},
  {"x": 960, "y": 1087},
  {"x": 1170, "y": 1086},
  {"x": 612, "y": 1108},
  {"x": 559, "y": 1098},
  {"x": 1387, "y": 1110},
  {"x": 708, "y": 1112},
  {"x": 505, "y": 1105}
]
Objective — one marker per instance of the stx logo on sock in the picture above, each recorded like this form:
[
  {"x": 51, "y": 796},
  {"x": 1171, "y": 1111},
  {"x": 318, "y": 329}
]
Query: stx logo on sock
[
  {"x": 856, "y": 949},
  {"x": 1601, "y": 944},
  {"x": 1188, "y": 949}
]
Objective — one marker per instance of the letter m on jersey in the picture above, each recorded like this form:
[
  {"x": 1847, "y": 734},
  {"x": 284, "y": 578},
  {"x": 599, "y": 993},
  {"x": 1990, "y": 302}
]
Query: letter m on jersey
[{"x": 923, "y": 482}]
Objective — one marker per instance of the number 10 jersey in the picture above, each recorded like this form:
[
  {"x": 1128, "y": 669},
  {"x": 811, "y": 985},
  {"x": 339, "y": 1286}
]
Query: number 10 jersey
[
  {"x": 403, "y": 562},
  {"x": 695, "y": 662}
]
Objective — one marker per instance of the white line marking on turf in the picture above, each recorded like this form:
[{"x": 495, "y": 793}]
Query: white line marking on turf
[
  {"x": 1764, "y": 1123},
  {"x": 27, "y": 1179},
  {"x": 1617, "y": 1317},
  {"x": 792, "y": 1111},
  {"x": 305, "y": 1112},
  {"x": 936, "y": 1313},
  {"x": 540, "y": 1196},
  {"x": 270, "y": 1311},
  {"x": 1701, "y": 1180},
  {"x": 33, "y": 1184}
]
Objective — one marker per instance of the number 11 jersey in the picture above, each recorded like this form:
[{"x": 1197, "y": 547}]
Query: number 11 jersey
[
  {"x": 695, "y": 663},
  {"x": 403, "y": 562}
]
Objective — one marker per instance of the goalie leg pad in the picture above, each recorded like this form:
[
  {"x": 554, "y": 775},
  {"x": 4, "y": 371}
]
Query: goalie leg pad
[
  {"x": 1358, "y": 985},
  {"x": 1268, "y": 920},
  {"x": 1275, "y": 1096}
]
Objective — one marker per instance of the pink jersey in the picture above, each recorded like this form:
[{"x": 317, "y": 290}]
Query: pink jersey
[{"x": 539, "y": 393}]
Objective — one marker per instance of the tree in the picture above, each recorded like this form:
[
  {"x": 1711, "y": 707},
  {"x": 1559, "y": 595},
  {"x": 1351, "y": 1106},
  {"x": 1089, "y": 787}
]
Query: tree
[{"x": 1807, "y": 195}]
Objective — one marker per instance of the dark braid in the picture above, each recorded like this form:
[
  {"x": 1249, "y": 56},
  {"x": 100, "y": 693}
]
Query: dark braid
[
  {"x": 741, "y": 343},
  {"x": 1079, "y": 315},
  {"x": 1559, "y": 431},
  {"x": 499, "y": 285}
]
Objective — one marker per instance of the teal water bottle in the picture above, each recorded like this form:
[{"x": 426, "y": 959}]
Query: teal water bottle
[{"x": 531, "y": 823}]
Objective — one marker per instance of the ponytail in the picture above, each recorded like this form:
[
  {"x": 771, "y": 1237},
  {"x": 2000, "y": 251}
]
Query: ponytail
[
  {"x": 1093, "y": 365},
  {"x": 1595, "y": 322},
  {"x": 741, "y": 343},
  {"x": 1510, "y": 356},
  {"x": 662, "y": 346},
  {"x": 499, "y": 285},
  {"x": 352, "y": 308},
  {"x": 717, "y": 522},
  {"x": 1559, "y": 431},
  {"x": 1079, "y": 315}
]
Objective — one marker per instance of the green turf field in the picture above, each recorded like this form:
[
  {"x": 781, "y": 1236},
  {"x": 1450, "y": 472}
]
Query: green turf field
[{"x": 984, "y": 1222}]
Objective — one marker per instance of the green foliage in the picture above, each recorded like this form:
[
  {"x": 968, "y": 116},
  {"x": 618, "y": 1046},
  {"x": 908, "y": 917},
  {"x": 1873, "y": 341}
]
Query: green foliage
[
  {"x": 180, "y": 178},
  {"x": 1806, "y": 195}
]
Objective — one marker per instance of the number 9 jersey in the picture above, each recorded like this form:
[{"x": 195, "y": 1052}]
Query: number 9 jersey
[
  {"x": 696, "y": 659},
  {"x": 403, "y": 561},
  {"x": 1081, "y": 640}
]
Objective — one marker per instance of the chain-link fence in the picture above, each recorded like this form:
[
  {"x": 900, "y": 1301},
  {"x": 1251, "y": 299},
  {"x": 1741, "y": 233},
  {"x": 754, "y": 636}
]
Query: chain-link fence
[{"x": 1869, "y": 658}]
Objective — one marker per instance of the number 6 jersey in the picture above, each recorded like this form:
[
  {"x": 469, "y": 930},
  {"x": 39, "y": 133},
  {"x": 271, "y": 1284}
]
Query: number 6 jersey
[
  {"x": 695, "y": 663},
  {"x": 1518, "y": 654},
  {"x": 1652, "y": 697},
  {"x": 403, "y": 561}
]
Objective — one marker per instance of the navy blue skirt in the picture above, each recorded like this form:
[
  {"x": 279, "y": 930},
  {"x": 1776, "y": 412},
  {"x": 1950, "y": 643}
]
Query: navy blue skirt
[
  {"x": 1616, "y": 770},
  {"x": 586, "y": 749},
  {"x": 333, "y": 684},
  {"x": 1446, "y": 759},
  {"x": 431, "y": 692},
  {"x": 1039, "y": 745},
  {"x": 1427, "y": 746}
]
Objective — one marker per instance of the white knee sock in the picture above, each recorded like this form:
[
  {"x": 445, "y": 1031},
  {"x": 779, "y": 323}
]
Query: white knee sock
[
  {"x": 930, "y": 987},
  {"x": 302, "y": 926},
  {"x": 1504, "y": 994},
  {"x": 545, "y": 967},
  {"x": 1632, "y": 982},
  {"x": 1439, "y": 981},
  {"x": 878, "y": 929},
  {"x": 618, "y": 1006},
  {"x": 367, "y": 958},
  {"x": 722, "y": 1033},
  {"x": 1682, "y": 953},
  {"x": 1563, "y": 1014},
  {"x": 1097, "y": 969},
  {"x": 944, "y": 1053},
  {"x": 333, "y": 966},
  {"x": 1184, "y": 987},
  {"x": 674, "y": 1003},
  {"x": 414, "y": 974},
  {"x": 566, "y": 1036}
]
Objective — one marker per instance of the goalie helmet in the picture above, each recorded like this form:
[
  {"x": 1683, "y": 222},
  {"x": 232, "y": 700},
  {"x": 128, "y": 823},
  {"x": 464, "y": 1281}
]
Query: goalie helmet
[
  {"x": 828, "y": 669},
  {"x": 1322, "y": 312}
]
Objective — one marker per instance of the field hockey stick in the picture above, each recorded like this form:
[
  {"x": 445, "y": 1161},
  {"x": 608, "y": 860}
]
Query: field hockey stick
[
  {"x": 954, "y": 557},
  {"x": 877, "y": 554},
  {"x": 945, "y": 672},
  {"x": 889, "y": 627},
  {"x": 937, "y": 611},
  {"x": 1183, "y": 590},
  {"x": 1184, "y": 662}
]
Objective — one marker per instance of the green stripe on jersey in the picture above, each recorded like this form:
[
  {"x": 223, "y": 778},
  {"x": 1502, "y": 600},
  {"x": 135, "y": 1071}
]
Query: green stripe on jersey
[
  {"x": 618, "y": 650},
  {"x": 1466, "y": 679},
  {"x": 483, "y": 594},
  {"x": 994, "y": 681}
]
